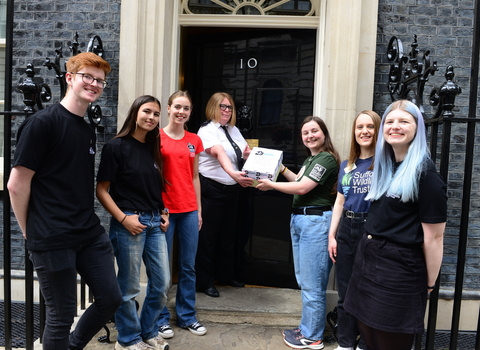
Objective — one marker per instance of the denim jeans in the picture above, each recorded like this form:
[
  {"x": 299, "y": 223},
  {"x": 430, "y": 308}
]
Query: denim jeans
[
  {"x": 186, "y": 226},
  {"x": 348, "y": 235},
  {"x": 57, "y": 275},
  {"x": 312, "y": 269},
  {"x": 151, "y": 246}
]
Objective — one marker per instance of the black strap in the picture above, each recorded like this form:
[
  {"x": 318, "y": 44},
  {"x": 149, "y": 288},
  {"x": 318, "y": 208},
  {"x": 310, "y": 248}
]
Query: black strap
[
  {"x": 350, "y": 214},
  {"x": 237, "y": 150},
  {"x": 311, "y": 211}
]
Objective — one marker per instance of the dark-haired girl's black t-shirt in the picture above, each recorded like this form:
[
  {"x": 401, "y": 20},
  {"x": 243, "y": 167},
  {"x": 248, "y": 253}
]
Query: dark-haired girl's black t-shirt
[{"x": 134, "y": 179}]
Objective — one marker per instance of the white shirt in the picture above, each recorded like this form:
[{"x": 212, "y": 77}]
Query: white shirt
[{"x": 212, "y": 134}]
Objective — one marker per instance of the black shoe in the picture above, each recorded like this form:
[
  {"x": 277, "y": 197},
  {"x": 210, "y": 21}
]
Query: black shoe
[
  {"x": 212, "y": 292},
  {"x": 233, "y": 283}
]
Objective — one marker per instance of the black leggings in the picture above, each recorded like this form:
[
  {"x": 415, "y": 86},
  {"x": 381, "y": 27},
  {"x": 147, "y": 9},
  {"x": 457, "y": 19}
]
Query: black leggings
[{"x": 380, "y": 340}]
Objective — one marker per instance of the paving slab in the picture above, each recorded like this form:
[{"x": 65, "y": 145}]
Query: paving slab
[
  {"x": 219, "y": 337},
  {"x": 250, "y": 318}
]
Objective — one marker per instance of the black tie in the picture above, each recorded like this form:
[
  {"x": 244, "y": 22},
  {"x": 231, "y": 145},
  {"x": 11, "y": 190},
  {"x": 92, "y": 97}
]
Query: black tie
[{"x": 237, "y": 150}]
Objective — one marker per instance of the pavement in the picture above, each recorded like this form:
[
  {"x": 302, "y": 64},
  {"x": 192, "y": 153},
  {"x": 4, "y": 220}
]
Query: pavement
[{"x": 250, "y": 318}]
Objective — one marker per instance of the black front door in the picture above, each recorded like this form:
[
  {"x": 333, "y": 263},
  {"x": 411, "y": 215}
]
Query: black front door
[{"x": 269, "y": 73}]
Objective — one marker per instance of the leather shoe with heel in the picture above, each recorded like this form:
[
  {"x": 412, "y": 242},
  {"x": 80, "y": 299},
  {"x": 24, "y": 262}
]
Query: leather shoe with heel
[
  {"x": 234, "y": 283},
  {"x": 212, "y": 292}
]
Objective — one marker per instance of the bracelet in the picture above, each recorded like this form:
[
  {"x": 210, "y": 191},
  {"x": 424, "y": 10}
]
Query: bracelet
[
  {"x": 432, "y": 287},
  {"x": 284, "y": 170},
  {"x": 121, "y": 222}
]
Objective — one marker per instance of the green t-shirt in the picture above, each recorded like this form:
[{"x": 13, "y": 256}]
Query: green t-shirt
[{"x": 323, "y": 169}]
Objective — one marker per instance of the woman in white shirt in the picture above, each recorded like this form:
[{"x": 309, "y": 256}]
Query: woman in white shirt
[{"x": 220, "y": 168}]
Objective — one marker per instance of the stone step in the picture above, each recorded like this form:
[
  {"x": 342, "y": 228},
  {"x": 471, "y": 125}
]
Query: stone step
[
  {"x": 277, "y": 307},
  {"x": 249, "y": 305}
]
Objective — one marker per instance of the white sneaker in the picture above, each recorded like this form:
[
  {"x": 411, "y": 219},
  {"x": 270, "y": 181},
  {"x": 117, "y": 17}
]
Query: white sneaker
[
  {"x": 166, "y": 331},
  {"x": 158, "y": 343},
  {"x": 138, "y": 346},
  {"x": 341, "y": 348},
  {"x": 196, "y": 328}
]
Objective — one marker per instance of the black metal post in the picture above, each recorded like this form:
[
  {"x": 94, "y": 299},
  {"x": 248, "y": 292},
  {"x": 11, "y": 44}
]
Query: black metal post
[
  {"x": 467, "y": 181},
  {"x": 29, "y": 316},
  {"x": 7, "y": 265}
]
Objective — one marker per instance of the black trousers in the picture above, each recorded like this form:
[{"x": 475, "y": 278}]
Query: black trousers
[{"x": 216, "y": 241}]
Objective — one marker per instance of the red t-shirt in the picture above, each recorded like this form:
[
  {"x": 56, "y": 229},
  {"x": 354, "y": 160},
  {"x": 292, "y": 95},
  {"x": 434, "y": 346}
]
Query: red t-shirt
[{"x": 178, "y": 160}]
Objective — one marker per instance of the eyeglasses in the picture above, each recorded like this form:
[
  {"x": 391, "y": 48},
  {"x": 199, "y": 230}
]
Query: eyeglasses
[
  {"x": 226, "y": 107},
  {"x": 88, "y": 79}
]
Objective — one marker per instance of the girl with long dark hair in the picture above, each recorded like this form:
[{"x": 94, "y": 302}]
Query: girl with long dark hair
[{"x": 129, "y": 185}]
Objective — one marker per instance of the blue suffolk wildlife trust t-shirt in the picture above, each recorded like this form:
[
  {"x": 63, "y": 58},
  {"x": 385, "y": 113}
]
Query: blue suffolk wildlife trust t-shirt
[{"x": 354, "y": 183}]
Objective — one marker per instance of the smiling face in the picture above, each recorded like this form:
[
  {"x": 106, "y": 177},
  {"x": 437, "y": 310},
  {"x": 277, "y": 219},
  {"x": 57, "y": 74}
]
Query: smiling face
[
  {"x": 364, "y": 131},
  {"x": 313, "y": 137},
  {"x": 179, "y": 110},
  {"x": 86, "y": 93},
  {"x": 226, "y": 114},
  {"x": 399, "y": 130},
  {"x": 148, "y": 117}
]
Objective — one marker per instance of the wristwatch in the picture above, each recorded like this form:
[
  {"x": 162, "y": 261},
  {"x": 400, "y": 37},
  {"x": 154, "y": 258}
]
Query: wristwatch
[{"x": 165, "y": 212}]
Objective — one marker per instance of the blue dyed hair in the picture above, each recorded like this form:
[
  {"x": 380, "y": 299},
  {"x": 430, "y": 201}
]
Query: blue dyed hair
[{"x": 403, "y": 182}]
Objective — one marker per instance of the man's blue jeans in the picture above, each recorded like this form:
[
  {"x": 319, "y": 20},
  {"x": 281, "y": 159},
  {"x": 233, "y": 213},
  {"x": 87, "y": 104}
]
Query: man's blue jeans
[
  {"x": 186, "y": 226},
  {"x": 57, "y": 275},
  {"x": 151, "y": 247},
  {"x": 312, "y": 269}
]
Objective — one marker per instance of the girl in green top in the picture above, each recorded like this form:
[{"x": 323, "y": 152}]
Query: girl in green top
[{"x": 314, "y": 194}]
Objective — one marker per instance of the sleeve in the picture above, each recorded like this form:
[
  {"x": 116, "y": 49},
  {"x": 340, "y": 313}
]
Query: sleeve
[
  {"x": 109, "y": 164},
  {"x": 432, "y": 198},
  {"x": 321, "y": 170},
  {"x": 33, "y": 142},
  {"x": 199, "y": 144},
  {"x": 209, "y": 136},
  {"x": 341, "y": 174}
]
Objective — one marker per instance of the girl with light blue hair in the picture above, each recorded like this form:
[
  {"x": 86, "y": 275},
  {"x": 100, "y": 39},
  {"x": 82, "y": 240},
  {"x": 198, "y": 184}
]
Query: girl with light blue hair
[
  {"x": 404, "y": 181},
  {"x": 399, "y": 256}
]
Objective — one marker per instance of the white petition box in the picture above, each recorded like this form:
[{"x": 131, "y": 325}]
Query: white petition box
[{"x": 263, "y": 163}]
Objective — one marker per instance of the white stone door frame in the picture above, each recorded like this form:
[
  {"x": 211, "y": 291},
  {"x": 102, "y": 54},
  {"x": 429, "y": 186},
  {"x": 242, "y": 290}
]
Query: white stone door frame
[{"x": 345, "y": 59}]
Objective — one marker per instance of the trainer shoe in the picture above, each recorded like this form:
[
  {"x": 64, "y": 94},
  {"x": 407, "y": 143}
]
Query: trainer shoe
[
  {"x": 137, "y": 346},
  {"x": 166, "y": 331},
  {"x": 158, "y": 343},
  {"x": 196, "y": 328},
  {"x": 294, "y": 331},
  {"x": 299, "y": 341},
  {"x": 342, "y": 348}
]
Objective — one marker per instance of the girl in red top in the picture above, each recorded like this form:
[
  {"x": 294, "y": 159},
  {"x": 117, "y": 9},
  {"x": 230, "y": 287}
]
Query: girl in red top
[{"x": 180, "y": 151}]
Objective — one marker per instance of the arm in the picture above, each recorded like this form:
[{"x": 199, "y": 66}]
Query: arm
[
  {"x": 288, "y": 174},
  {"x": 130, "y": 222},
  {"x": 19, "y": 186},
  {"x": 303, "y": 186},
  {"x": 336, "y": 215},
  {"x": 433, "y": 249},
  {"x": 198, "y": 191},
  {"x": 219, "y": 153}
]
